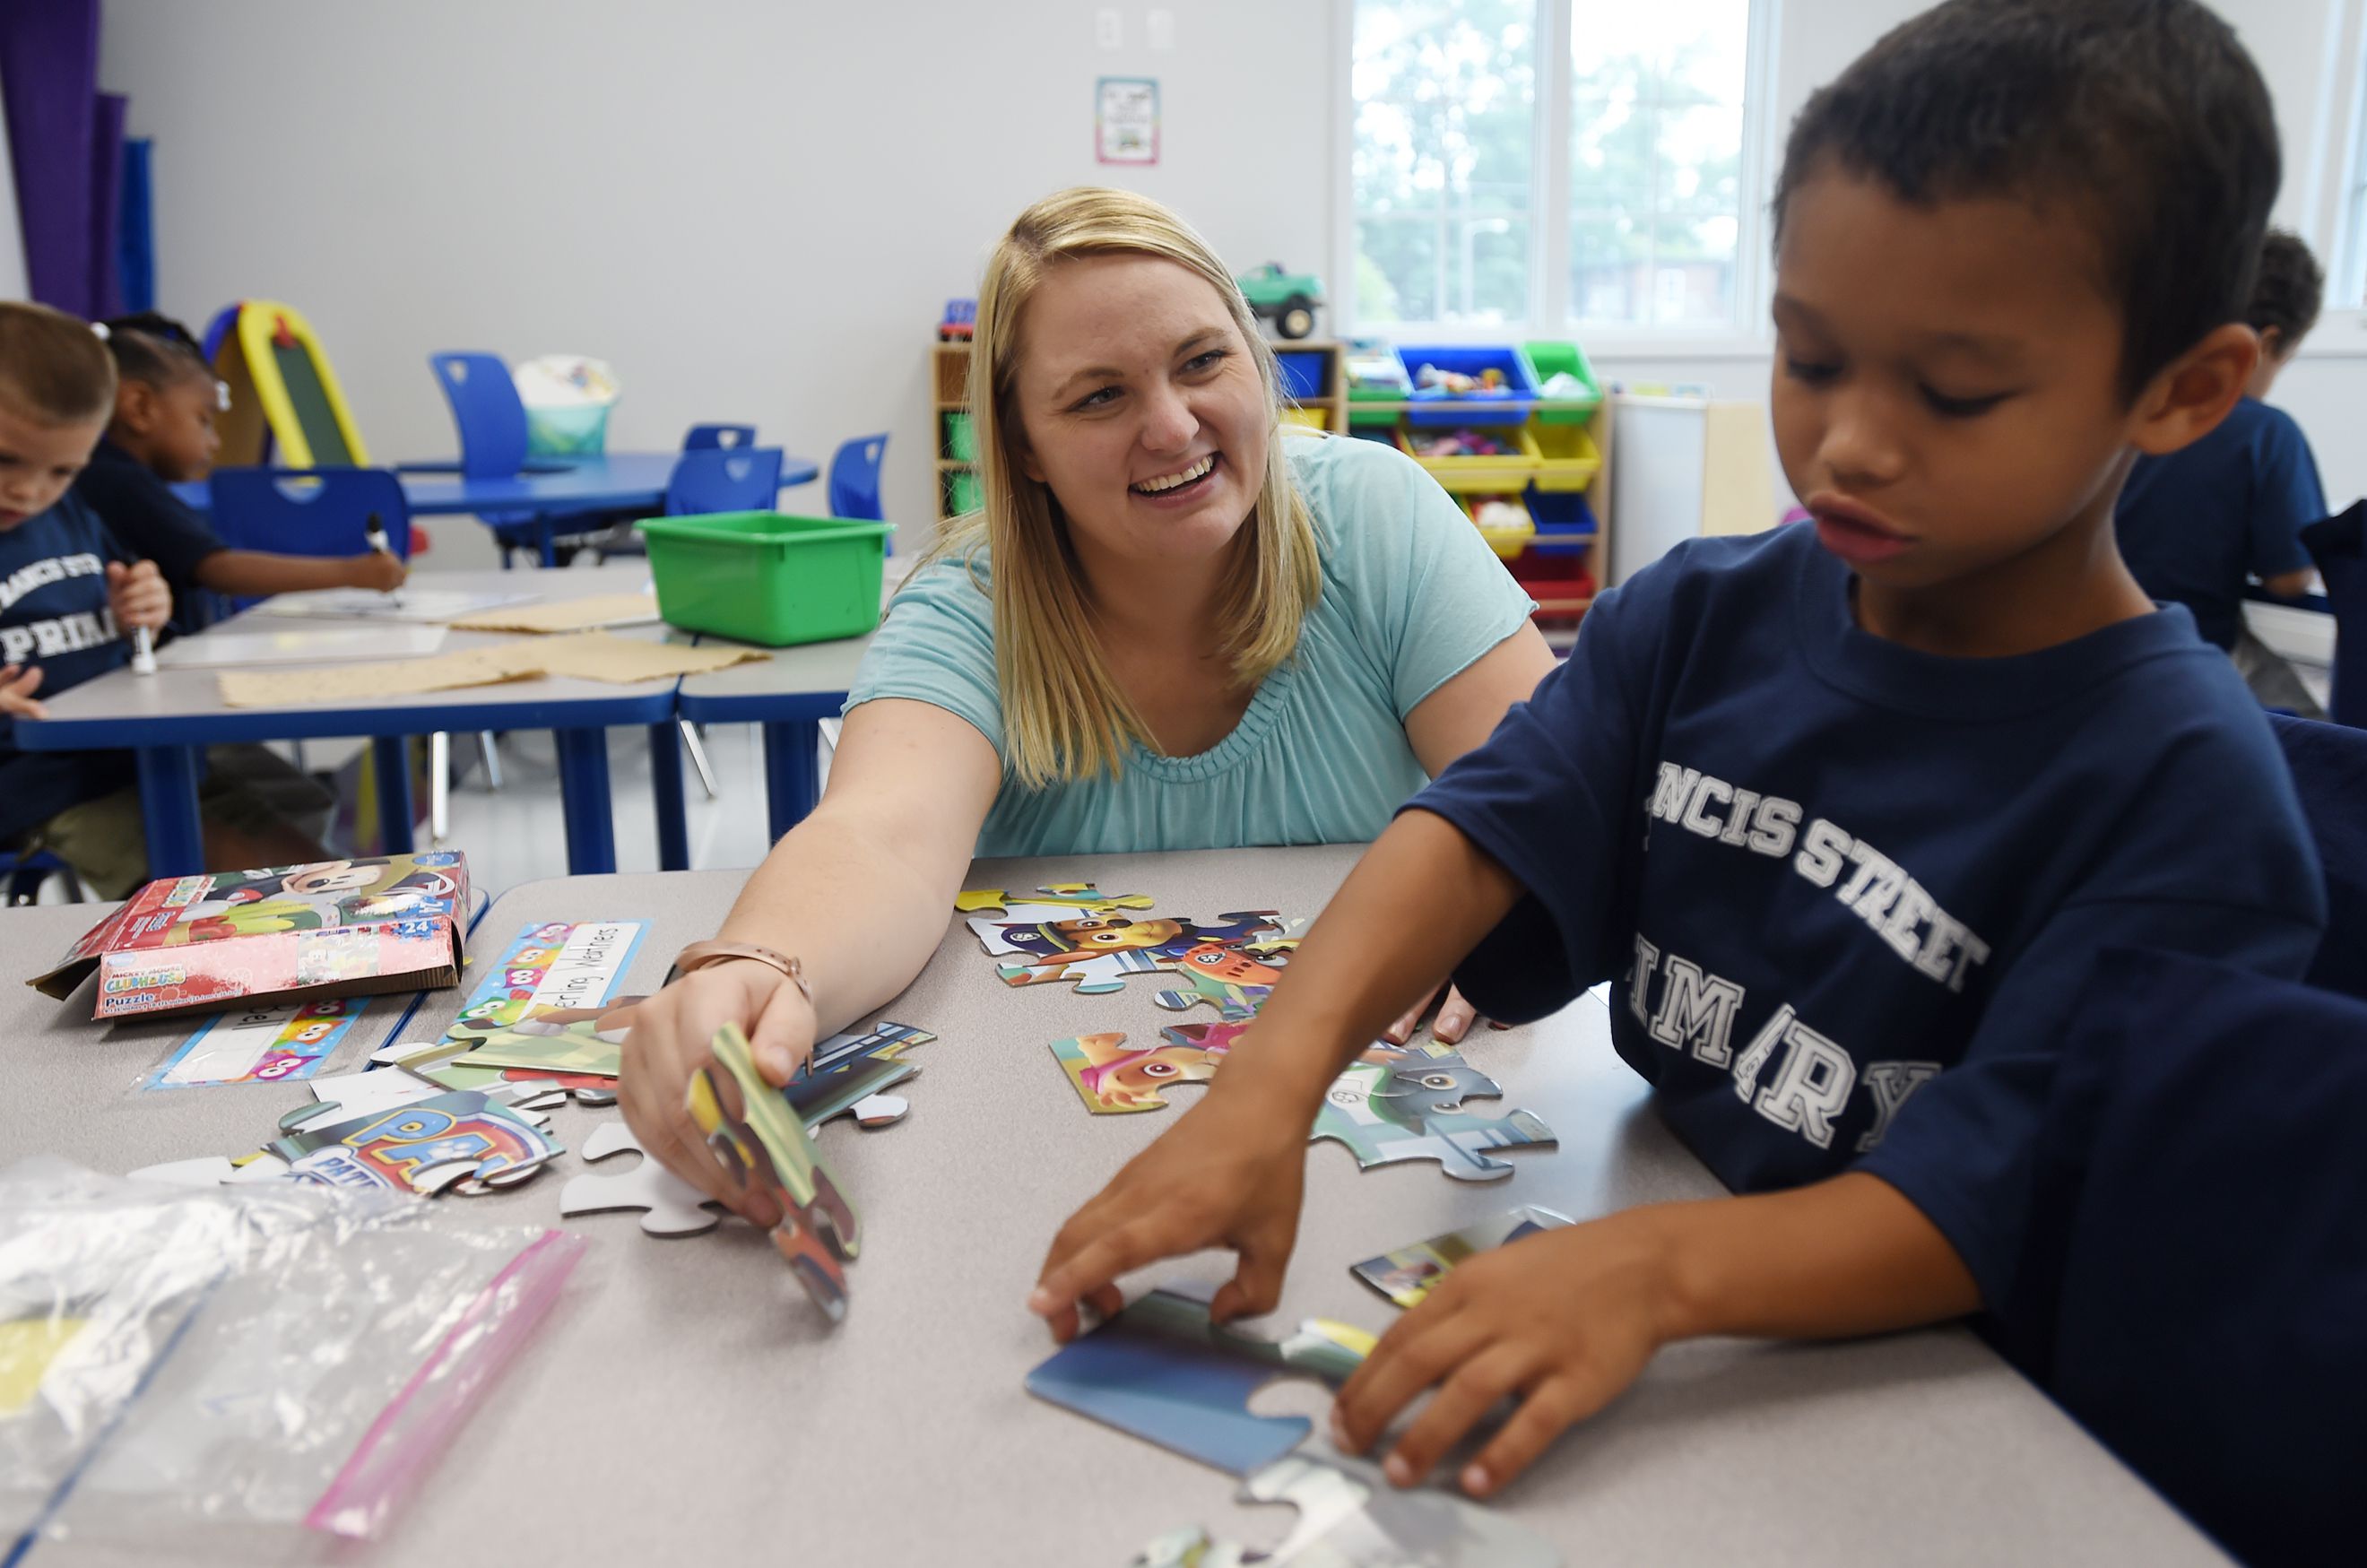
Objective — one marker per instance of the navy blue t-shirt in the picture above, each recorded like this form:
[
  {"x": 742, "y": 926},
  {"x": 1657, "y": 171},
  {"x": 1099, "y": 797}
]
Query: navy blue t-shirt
[
  {"x": 1848, "y": 891},
  {"x": 145, "y": 518},
  {"x": 53, "y": 614},
  {"x": 2193, "y": 524}
]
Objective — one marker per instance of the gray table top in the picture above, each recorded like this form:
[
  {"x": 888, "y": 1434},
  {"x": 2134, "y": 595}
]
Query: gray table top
[
  {"x": 175, "y": 700},
  {"x": 684, "y": 1398}
]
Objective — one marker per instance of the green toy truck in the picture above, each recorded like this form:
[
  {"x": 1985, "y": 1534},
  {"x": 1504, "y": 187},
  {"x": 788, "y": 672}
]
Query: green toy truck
[{"x": 1284, "y": 298}]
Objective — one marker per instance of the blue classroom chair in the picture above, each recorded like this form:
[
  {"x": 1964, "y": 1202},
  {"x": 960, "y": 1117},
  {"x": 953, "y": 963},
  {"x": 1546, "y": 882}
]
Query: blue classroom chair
[
  {"x": 721, "y": 478},
  {"x": 854, "y": 482},
  {"x": 491, "y": 425},
  {"x": 25, "y": 873},
  {"x": 309, "y": 511},
  {"x": 703, "y": 436},
  {"x": 2340, "y": 551}
]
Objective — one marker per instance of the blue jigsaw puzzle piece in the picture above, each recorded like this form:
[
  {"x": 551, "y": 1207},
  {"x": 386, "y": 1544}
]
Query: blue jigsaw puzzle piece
[{"x": 1161, "y": 1371}]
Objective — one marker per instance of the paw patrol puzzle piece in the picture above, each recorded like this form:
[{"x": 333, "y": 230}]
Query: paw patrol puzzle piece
[
  {"x": 761, "y": 1142},
  {"x": 1162, "y": 1371},
  {"x": 1407, "y": 1274},
  {"x": 1434, "y": 1077},
  {"x": 1350, "y": 1517},
  {"x": 1061, "y": 901},
  {"x": 846, "y": 1073},
  {"x": 1381, "y": 1128},
  {"x": 1112, "y": 1079},
  {"x": 670, "y": 1205},
  {"x": 406, "y": 1147}
]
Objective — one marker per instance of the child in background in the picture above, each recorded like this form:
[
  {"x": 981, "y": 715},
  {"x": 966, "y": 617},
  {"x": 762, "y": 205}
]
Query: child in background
[
  {"x": 68, "y": 593},
  {"x": 162, "y": 435},
  {"x": 1843, "y": 812},
  {"x": 2194, "y": 523}
]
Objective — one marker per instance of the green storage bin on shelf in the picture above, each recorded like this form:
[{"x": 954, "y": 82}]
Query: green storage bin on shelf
[
  {"x": 766, "y": 577},
  {"x": 961, "y": 438},
  {"x": 1551, "y": 359},
  {"x": 961, "y": 491}
]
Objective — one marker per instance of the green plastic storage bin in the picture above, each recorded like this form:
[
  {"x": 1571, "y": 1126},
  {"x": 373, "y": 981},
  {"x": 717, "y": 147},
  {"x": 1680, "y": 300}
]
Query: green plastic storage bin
[
  {"x": 961, "y": 438},
  {"x": 765, "y": 577},
  {"x": 1549, "y": 359},
  {"x": 961, "y": 492}
]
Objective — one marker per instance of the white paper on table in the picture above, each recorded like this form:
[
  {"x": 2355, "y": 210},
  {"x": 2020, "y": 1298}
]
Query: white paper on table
[
  {"x": 327, "y": 645},
  {"x": 407, "y": 603}
]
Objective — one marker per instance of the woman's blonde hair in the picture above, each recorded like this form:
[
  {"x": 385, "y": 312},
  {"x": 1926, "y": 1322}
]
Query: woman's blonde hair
[{"x": 1064, "y": 715}]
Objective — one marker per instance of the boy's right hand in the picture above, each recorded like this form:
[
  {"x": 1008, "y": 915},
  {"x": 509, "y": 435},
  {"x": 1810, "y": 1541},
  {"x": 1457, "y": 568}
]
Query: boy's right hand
[
  {"x": 1230, "y": 1173},
  {"x": 17, "y": 688},
  {"x": 380, "y": 570},
  {"x": 670, "y": 1033}
]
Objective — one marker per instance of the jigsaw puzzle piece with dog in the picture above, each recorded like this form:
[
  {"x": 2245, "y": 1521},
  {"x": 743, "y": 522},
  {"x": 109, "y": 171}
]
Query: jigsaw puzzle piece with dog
[
  {"x": 1380, "y": 1128},
  {"x": 1161, "y": 1370},
  {"x": 990, "y": 909},
  {"x": 760, "y": 1141},
  {"x": 1350, "y": 1517},
  {"x": 848, "y": 1072},
  {"x": 1099, "y": 951}
]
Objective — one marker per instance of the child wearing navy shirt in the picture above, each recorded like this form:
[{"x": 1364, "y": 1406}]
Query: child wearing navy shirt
[
  {"x": 162, "y": 435},
  {"x": 68, "y": 593},
  {"x": 2193, "y": 524},
  {"x": 1843, "y": 812}
]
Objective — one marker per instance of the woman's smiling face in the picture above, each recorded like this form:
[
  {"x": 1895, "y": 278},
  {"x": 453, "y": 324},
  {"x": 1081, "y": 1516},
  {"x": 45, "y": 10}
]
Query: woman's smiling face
[{"x": 1140, "y": 405}]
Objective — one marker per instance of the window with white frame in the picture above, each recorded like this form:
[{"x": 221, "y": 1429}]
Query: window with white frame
[
  {"x": 2347, "y": 283},
  {"x": 1553, "y": 164}
]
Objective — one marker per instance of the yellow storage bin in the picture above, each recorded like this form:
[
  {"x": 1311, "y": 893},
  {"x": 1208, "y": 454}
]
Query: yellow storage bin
[
  {"x": 1568, "y": 457},
  {"x": 1510, "y": 470},
  {"x": 1313, "y": 419}
]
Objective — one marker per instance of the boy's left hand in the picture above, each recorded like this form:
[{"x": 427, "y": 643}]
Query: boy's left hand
[
  {"x": 137, "y": 596},
  {"x": 1564, "y": 1321}
]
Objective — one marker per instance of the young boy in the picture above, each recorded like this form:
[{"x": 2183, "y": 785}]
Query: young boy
[
  {"x": 68, "y": 593},
  {"x": 162, "y": 435},
  {"x": 1843, "y": 811},
  {"x": 2194, "y": 523}
]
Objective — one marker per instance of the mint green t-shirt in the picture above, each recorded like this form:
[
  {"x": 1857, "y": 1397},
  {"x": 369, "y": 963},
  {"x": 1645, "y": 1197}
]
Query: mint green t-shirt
[{"x": 1412, "y": 597}]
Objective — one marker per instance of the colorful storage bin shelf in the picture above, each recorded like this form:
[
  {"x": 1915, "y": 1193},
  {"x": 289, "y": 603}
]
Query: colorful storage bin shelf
[
  {"x": 1312, "y": 419},
  {"x": 1375, "y": 375},
  {"x": 766, "y": 578},
  {"x": 1303, "y": 374},
  {"x": 960, "y": 437},
  {"x": 1510, "y": 469}
]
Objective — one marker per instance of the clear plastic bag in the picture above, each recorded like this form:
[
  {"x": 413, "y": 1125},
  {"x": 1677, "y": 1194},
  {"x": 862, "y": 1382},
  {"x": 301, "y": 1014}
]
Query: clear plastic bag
[{"x": 272, "y": 1354}]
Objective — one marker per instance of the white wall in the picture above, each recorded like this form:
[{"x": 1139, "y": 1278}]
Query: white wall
[{"x": 756, "y": 209}]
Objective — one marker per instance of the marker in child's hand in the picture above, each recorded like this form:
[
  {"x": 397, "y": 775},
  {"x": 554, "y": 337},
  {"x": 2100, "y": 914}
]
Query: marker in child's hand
[
  {"x": 143, "y": 651},
  {"x": 374, "y": 531}
]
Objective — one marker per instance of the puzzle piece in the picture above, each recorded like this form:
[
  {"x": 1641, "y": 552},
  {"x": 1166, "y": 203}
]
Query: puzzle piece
[
  {"x": 1162, "y": 1371},
  {"x": 1350, "y": 1517},
  {"x": 1061, "y": 898},
  {"x": 749, "y": 1125},
  {"x": 394, "y": 1149},
  {"x": 1055, "y": 943},
  {"x": 1384, "y": 1129},
  {"x": 1113, "y": 1078},
  {"x": 1433, "y": 1077},
  {"x": 671, "y": 1206},
  {"x": 846, "y": 1073},
  {"x": 1408, "y": 1273}
]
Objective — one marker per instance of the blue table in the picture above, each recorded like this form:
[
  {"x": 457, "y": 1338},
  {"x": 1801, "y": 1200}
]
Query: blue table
[
  {"x": 621, "y": 482},
  {"x": 789, "y": 694},
  {"x": 167, "y": 718}
]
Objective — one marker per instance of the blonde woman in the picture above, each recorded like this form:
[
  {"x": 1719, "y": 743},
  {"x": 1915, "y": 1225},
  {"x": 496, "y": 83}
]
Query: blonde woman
[{"x": 1171, "y": 628}]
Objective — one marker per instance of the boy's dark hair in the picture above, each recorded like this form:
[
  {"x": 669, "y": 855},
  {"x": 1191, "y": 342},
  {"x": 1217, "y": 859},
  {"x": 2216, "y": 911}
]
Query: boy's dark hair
[
  {"x": 2145, "y": 117},
  {"x": 2286, "y": 296},
  {"x": 155, "y": 349}
]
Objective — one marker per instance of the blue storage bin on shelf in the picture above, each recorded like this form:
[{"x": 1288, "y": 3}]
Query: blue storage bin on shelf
[
  {"x": 1302, "y": 374},
  {"x": 1510, "y": 406},
  {"x": 1563, "y": 519}
]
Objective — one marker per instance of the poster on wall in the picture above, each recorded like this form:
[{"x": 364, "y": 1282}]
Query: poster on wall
[{"x": 1126, "y": 120}]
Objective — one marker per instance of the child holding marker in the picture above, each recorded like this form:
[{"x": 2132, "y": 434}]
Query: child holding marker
[
  {"x": 162, "y": 433},
  {"x": 1843, "y": 812},
  {"x": 68, "y": 594}
]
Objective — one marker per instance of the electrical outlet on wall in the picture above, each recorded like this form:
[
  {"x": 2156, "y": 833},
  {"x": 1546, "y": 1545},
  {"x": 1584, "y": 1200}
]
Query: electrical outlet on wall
[{"x": 1109, "y": 28}]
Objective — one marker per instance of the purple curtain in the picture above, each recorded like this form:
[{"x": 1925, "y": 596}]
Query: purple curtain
[{"x": 66, "y": 146}]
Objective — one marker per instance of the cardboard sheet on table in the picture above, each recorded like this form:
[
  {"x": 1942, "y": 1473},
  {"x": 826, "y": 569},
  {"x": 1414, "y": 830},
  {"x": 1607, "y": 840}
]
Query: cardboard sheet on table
[
  {"x": 326, "y": 644},
  {"x": 596, "y": 656},
  {"x": 566, "y": 615},
  {"x": 400, "y": 677}
]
